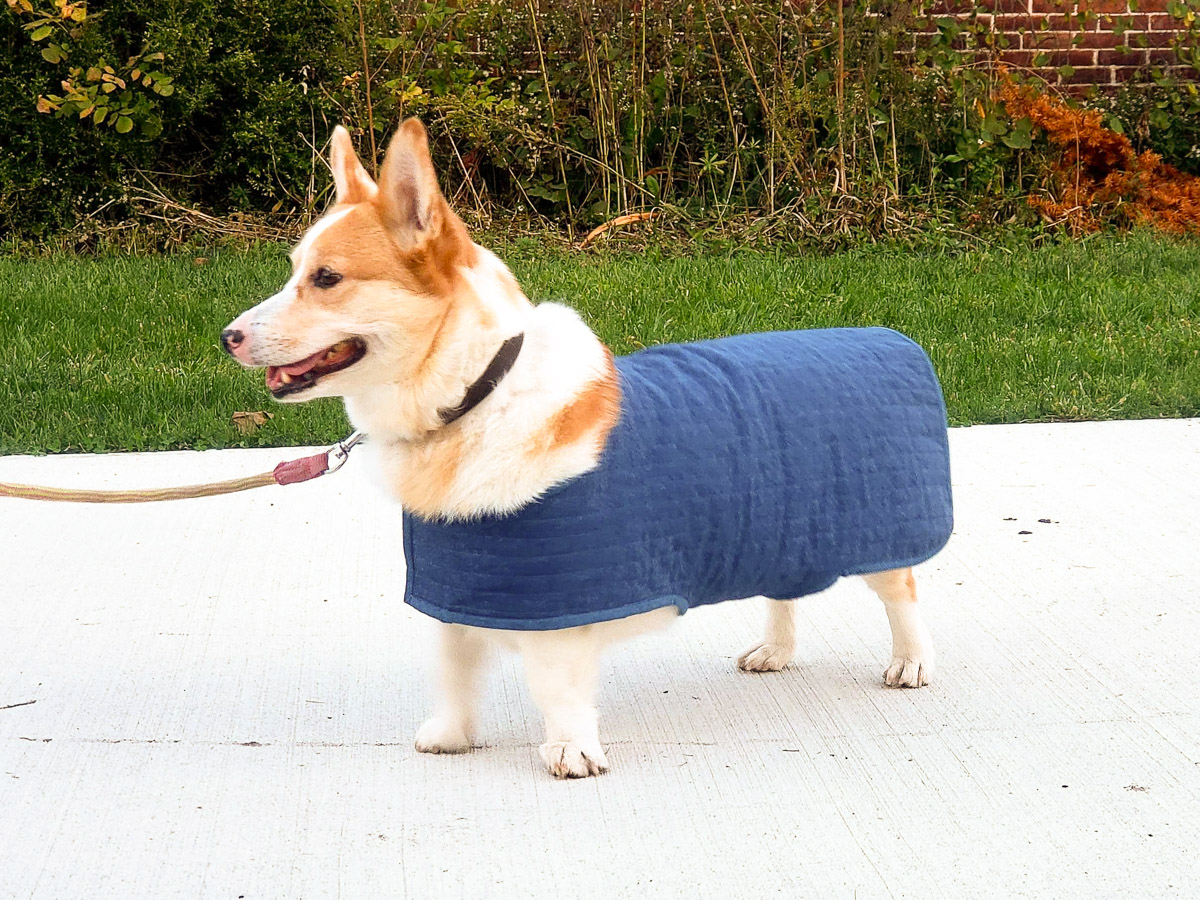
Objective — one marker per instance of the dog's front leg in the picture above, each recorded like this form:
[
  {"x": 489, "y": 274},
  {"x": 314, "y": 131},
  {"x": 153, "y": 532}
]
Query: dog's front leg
[
  {"x": 561, "y": 669},
  {"x": 912, "y": 649},
  {"x": 463, "y": 653}
]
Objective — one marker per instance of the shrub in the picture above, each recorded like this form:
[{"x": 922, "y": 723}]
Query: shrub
[{"x": 815, "y": 118}]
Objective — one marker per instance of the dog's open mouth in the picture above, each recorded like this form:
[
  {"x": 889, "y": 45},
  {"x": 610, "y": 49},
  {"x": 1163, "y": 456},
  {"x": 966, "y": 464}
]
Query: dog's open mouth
[{"x": 299, "y": 376}]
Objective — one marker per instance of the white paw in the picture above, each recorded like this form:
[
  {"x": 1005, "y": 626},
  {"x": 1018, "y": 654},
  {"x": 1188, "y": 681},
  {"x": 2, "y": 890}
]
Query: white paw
[
  {"x": 765, "y": 658},
  {"x": 442, "y": 736},
  {"x": 568, "y": 760},
  {"x": 912, "y": 670}
]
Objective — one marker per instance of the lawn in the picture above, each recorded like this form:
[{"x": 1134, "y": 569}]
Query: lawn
[{"x": 121, "y": 353}]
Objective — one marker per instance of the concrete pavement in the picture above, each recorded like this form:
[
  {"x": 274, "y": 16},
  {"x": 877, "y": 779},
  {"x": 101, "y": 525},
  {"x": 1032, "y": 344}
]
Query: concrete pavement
[{"x": 224, "y": 694}]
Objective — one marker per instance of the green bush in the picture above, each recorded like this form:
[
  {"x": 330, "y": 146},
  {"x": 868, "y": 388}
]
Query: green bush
[
  {"x": 814, "y": 118},
  {"x": 248, "y": 85}
]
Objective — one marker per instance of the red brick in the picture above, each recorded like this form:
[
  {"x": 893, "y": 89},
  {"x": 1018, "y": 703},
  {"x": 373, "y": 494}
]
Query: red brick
[
  {"x": 1104, "y": 6},
  {"x": 1100, "y": 39},
  {"x": 1133, "y": 22},
  {"x": 1165, "y": 23},
  {"x": 1163, "y": 58},
  {"x": 1008, "y": 6},
  {"x": 1117, "y": 58},
  {"x": 1023, "y": 58},
  {"x": 1053, "y": 40},
  {"x": 1151, "y": 38},
  {"x": 1014, "y": 21},
  {"x": 951, "y": 7},
  {"x": 1052, "y": 6},
  {"x": 1149, "y": 6},
  {"x": 1089, "y": 75}
]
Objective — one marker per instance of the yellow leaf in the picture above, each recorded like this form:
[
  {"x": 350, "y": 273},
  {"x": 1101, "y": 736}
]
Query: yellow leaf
[
  {"x": 87, "y": 112},
  {"x": 79, "y": 13},
  {"x": 44, "y": 105},
  {"x": 249, "y": 422},
  {"x": 93, "y": 74},
  {"x": 135, "y": 74}
]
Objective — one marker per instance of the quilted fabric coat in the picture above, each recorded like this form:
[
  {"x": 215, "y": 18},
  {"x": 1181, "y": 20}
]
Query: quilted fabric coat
[{"x": 763, "y": 464}]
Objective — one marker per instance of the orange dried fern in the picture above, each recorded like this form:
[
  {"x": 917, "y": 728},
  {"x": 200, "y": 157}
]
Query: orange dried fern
[{"x": 1100, "y": 178}]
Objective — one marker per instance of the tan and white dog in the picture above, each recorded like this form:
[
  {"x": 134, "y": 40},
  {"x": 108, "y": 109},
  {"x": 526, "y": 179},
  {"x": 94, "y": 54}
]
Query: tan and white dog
[{"x": 394, "y": 308}]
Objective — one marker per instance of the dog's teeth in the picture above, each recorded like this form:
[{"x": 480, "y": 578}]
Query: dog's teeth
[{"x": 285, "y": 377}]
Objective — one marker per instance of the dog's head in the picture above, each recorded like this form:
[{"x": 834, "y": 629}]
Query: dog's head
[{"x": 373, "y": 280}]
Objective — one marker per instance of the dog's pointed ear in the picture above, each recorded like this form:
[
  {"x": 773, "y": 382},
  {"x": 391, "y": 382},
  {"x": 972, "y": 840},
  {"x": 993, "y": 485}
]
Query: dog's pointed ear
[
  {"x": 350, "y": 179},
  {"x": 410, "y": 201}
]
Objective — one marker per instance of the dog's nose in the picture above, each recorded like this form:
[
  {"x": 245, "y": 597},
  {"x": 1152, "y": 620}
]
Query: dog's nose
[{"x": 231, "y": 339}]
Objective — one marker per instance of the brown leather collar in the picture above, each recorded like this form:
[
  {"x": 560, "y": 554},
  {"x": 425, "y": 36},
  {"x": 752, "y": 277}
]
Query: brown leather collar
[{"x": 500, "y": 365}]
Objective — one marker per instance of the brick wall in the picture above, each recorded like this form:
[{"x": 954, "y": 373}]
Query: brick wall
[{"x": 1103, "y": 42}]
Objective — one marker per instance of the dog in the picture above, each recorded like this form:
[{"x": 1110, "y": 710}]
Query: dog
[{"x": 483, "y": 410}]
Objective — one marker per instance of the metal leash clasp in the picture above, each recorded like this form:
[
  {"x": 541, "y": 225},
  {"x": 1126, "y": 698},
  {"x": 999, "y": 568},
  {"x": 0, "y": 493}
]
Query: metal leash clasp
[{"x": 340, "y": 452}]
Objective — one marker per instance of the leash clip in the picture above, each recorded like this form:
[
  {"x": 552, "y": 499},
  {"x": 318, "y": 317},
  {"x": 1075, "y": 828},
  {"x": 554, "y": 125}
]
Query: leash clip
[{"x": 337, "y": 455}]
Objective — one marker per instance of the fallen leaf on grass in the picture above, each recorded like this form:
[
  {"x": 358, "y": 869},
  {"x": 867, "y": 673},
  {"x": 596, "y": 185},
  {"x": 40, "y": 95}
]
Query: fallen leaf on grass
[{"x": 250, "y": 422}]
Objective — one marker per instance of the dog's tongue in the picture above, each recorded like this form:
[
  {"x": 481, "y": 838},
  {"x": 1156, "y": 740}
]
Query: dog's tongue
[
  {"x": 299, "y": 368},
  {"x": 275, "y": 373}
]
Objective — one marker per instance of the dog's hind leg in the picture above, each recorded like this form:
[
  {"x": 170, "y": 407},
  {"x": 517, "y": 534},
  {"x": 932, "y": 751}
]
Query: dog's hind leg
[
  {"x": 912, "y": 649},
  {"x": 463, "y": 653},
  {"x": 561, "y": 669},
  {"x": 775, "y": 650}
]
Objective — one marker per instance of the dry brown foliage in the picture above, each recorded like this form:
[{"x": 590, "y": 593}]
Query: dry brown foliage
[{"x": 1100, "y": 177}]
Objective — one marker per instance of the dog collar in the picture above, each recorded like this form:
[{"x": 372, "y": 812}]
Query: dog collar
[{"x": 500, "y": 366}]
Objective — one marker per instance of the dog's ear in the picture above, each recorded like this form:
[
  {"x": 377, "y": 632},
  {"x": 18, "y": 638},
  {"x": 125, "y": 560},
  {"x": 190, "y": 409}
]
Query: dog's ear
[
  {"x": 350, "y": 179},
  {"x": 412, "y": 205}
]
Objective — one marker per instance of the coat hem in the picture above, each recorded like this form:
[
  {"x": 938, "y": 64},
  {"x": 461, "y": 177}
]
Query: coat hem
[{"x": 552, "y": 623}]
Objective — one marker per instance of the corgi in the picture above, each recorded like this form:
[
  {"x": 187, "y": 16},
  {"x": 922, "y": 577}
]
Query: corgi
[{"x": 477, "y": 405}]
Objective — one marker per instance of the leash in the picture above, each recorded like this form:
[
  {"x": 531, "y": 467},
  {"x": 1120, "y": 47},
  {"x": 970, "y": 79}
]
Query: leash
[{"x": 293, "y": 471}]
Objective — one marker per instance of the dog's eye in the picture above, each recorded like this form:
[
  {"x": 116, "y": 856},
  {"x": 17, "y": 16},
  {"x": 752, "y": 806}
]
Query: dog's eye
[{"x": 325, "y": 277}]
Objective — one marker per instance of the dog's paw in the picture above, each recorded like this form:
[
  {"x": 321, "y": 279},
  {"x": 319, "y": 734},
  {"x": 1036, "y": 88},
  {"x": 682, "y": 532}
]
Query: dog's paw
[
  {"x": 912, "y": 671},
  {"x": 442, "y": 736},
  {"x": 568, "y": 760},
  {"x": 765, "y": 658}
]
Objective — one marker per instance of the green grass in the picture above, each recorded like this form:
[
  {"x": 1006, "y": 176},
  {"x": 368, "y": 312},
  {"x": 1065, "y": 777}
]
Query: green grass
[{"x": 121, "y": 353}]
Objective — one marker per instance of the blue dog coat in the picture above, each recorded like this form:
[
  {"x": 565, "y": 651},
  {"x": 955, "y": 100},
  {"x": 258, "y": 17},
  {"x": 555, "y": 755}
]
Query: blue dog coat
[{"x": 763, "y": 464}]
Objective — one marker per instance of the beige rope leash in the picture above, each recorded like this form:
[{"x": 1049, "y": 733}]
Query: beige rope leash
[{"x": 290, "y": 472}]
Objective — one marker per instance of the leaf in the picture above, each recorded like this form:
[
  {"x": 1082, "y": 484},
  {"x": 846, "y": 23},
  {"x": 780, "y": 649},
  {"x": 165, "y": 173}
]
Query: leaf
[
  {"x": 93, "y": 74},
  {"x": 44, "y": 105},
  {"x": 993, "y": 125},
  {"x": 250, "y": 422},
  {"x": 54, "y": 53},
  {"x": 99, "y": 115},
  {"x": 1041, "y": 59},
  {"x": 124, "y": 124},
  {"x": 151, "y": 57},
  {"x": 1114, "y": 124},
  {"x": 166, "y": 90},
  {"x": 1018, "y": 140},
  {"x": 1066, "y": 71},
  {"x": 135, "y": 74},
  {"x": 42, "y": 33}
]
